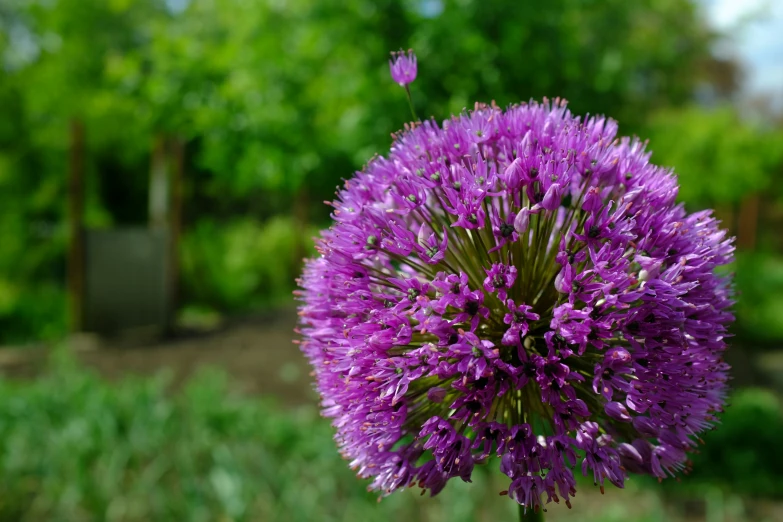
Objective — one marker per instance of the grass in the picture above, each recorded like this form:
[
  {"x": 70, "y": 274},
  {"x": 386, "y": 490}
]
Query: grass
[{"x": 77, "y": 448}]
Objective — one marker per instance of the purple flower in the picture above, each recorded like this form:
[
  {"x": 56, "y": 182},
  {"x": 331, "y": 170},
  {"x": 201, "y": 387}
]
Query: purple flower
[
  {"x": 508, "y": 271},
  {"x": 499, "y": 279},
  {"x": 403, "y": 67},
  {"x": 517, "y": 319}
]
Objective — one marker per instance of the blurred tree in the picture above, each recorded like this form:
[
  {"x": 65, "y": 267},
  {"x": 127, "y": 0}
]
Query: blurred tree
[
  {"x": 723, "y": 76},
  {"x": 281, "y": 96},
  {"x": 277, "y": 101},
  {"x": 739, "y": 156},
  {"x": 55, "y": 57}
]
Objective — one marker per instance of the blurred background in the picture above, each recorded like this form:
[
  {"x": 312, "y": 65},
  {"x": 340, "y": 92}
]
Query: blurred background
[{"x": 163, "y": 167}]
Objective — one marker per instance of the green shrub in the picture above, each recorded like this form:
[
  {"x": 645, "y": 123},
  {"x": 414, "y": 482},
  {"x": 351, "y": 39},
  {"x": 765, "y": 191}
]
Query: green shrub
[
  {"x": 242, "y": 264},
  {"x": 708, "y": 148},
  {"x": 759, "y": 281},
  {"x": 31, "y": 313},
  {"x": 744, "y": 453}
]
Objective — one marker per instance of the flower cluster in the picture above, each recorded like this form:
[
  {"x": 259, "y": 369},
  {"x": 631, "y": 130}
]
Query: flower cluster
[{"x": 517, "y": 284}]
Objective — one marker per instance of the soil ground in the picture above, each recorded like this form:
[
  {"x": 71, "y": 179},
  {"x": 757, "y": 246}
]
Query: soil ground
[{"x": 257, "y": 353}]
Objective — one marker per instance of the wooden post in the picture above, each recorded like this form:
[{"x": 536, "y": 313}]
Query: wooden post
[
  {"x": 748, "y": 222},
  {"x": 76, "y": 268},
  {"x": 159, "y": 185},
  {"x": 160, "y": 217},
  {"x": 725, "y": 213},
  {"x": 175, "y": 224}
]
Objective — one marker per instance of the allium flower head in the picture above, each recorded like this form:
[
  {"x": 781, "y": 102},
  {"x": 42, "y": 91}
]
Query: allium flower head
[
  {"x": 518, "y": 285},
  {"x": 403, "y": 67}
]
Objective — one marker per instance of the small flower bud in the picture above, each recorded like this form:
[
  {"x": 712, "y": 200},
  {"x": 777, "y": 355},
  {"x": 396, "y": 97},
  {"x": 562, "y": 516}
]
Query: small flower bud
[
  {"x": 436, "y": 394},
  {"x": 552, "y": 197},
  {"x": 592, "y": 202},
  {"x": 512, "y": 176},
  {"x": 617, "y": 411},
  {"x": 522, "y": 220},
  {"x": 403, "y": 67}
]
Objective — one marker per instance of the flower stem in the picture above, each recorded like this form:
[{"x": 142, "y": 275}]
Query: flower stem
[
  {"x": 530, "y": 515},
  {"x": 410, "y": 104}
]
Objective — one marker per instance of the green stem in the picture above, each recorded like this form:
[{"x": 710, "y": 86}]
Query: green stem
[
  {"x": 410, "y": 104},
  {"x": 530, "y": 515}
]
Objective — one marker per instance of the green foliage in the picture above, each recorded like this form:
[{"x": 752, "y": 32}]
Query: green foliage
[
  {"x": 282, "y": 98},
  {"x": 242, "y": 263},
  {"x": 77, "y": 448},
  {"x": 718, "y": 158},
  {"x": 40, "y": 309},
  {"x": 759, "y": 279},
  {"x": 743, "y": 454},
  {"x": 278, "y": 101},
  {"x": 32, "y": 297}
]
